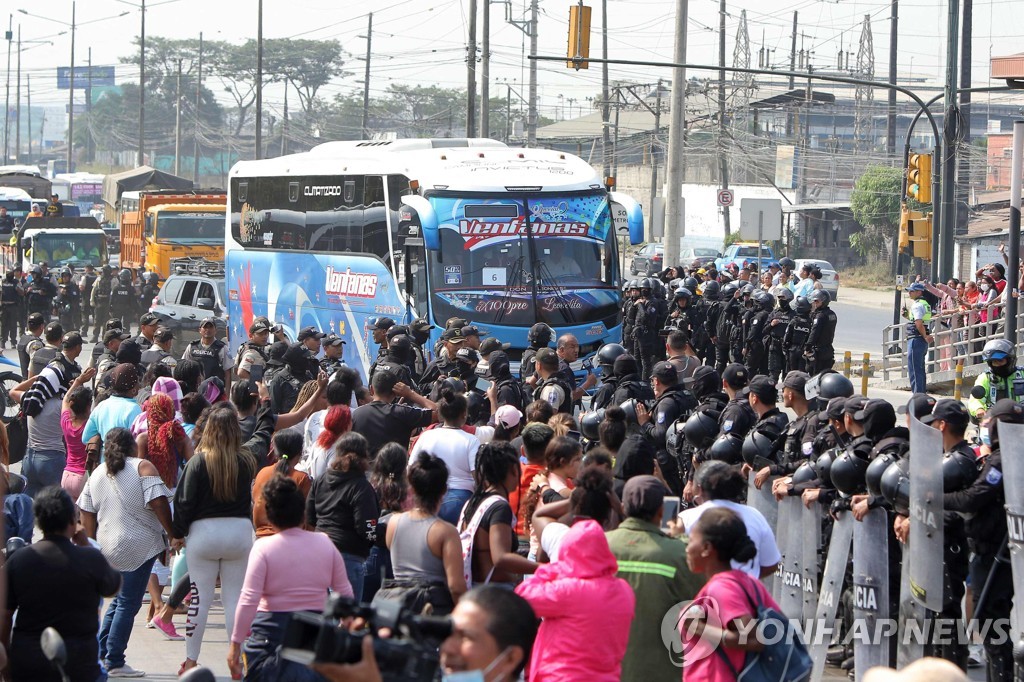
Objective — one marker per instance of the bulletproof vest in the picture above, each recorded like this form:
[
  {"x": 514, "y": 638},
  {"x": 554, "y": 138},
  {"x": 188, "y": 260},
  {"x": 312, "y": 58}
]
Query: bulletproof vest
[
  {"x": 272, "y": 369},
  {"x": 247, "y": 346},
  {"x": 794, "y": 449},
  {"x": 9, "y": 292},
  {"x": 799, "y": 330},
  {"x": 143, "y": 342},
  {"x": 526, "y": 365},
  {"x": 756, "y": 327},
  {"x": 331, "y": 365},
  {"x": 386, "y": 364},
  {"x": 41, "y": 358},
  {"x": 121, "y": 297},
  {"x": 152, "y": 355},
  {"x": 632, "y": 388},
  {"x": 41, "y": 293},
  {"x": 87, "y": 284},
  {"x": 779, "y": 330},
  {"x": 23, "y": 357},
  {"x": 556, "y": 380},
  {"x": 209, "y": 358},
  {"x": 518, "y": 391},
  {"x": 284, "y": 389},
  {"x": 103, "y": 287},
  {"x": 826, "y": 320}
]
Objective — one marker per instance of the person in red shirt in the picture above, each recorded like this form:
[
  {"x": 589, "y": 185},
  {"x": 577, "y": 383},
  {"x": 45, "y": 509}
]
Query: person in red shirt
[{"x": 535, "y": 437}]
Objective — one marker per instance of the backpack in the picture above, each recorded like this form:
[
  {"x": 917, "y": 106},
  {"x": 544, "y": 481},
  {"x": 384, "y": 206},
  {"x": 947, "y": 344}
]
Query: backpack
[
  {"x": 468, "y": 533},
  {"x": 784, "y": 657},
  {"x": 522, "y": 398}
]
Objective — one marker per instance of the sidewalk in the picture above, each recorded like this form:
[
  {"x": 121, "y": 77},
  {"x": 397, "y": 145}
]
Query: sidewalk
[{"x": 149, "y": 651}]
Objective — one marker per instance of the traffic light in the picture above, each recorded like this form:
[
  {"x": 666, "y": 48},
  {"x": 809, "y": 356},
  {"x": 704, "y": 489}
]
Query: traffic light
[
  {"x": 920, "y": 233},
  {"x": 906, "y": 216},
  {"x": 919, "y": 178},
  {"x": 579, "y": 37}
]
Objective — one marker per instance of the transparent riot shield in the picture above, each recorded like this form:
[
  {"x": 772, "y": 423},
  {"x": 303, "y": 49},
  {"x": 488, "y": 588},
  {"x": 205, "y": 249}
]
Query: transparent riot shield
[
  {"x": 824, "y": 624},
  {"x": 926, "y": 536},
  {"x": 870, "y": 634},
  {"x": 810, "y": 545},
  {"x": 912, "y": 618},
  {"x": 763, "y": 501},
  {"x": 1011, "y": 445},
  {"x": 790, "y": 574}
]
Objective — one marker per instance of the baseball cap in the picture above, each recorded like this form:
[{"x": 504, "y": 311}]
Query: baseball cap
[
  {"x": 643, "y": 496},
  {"x": 498, "y": 364},
  {"x": 453, "y": 335},
  {"x": 948, "y": 410},
  {"x": 420, "y": 325},
  {"x": 208, "y": 321},
  {"x": 472, "y": 330},
  {"x": 919, "y": 405},
  {"x": 71, "y": 340},
  {"x": 508, "y": 416},
  {"x": 467, "y": 355},
  {"x": 382, "y": 323},
  {"x": 295, "y": 353},
  {"x": 36, "y": 319},
  {"x": 541, "y": 331},
  {"x": 333, "y": 340},
  {"x": 834, "y": 409},
  {"x": 492, "y": 344},
  {"x": 665, "y": 372},
  {"x": 111, "y": 324},
  {"x": 735, "y": 374},
  {"x": 53, "y": 326},
  {"x": 1007, "y": 410},
  {"x": 853, "y": 405},
  {"x": 163, "y": 334},
  {"x": 917, "y": 286},
  {"x": 403, "y": 343},
  {"x": 277, "y": 350},
  {"x": 547, "y": 357},
  {"x": 397, "y": 330},
  {"x": 259, "y": 325},
  {"x": 310, "y": 333},
  {"x": 276, "y": 329},
  {"x": 148, "y": 318},
  {"x": 455, "y": 323},
  {"x": 764, "y": 388},
  {"x": 112, "y": 334},
  {"x": 796, "y": 380}
]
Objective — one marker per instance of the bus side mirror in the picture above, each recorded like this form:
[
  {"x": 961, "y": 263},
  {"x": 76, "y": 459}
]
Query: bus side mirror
[
  {"x": 627, "y": 217},
  {"x": 416, "y": 212},
  {"x": 411, "y": 261}
]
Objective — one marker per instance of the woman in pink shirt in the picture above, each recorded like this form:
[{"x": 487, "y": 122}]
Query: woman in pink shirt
[
  {"x": 74, "y": 413},
  {"x": 276, "y": 585},
  {"x": 713, "y": 649}
]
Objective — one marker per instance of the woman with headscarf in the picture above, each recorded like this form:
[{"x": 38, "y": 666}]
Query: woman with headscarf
[
  {"x": 120, "y": 409},
  {"x": 162, "y": 386}
]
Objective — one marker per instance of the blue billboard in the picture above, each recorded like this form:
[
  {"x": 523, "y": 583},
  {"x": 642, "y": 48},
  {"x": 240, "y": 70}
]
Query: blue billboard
[{"x": 102, "y": 76}]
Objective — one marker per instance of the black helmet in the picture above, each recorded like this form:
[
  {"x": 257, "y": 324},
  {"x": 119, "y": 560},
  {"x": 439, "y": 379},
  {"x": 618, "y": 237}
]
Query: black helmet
[
  {"x": 848, "y": 472},
  {"x": 895, "y": 487},
  {"x": 823, "y": 465},
  {"x": 763, "y": 299},
  {"x": 478, "y": 408},
  {"x": 589, "y": 423},
  {"x": 704, "y": 381},
  {"x": 747, "y": 289},
  {"x": 701, "y": 429},
  {"x": 999, "y": 349},
  {"x": 629, "y": 407},
  {"x": 804, "y": 474},
  {"x": 712, "y": 291},
  {"x": 833, "y": 385},
  {"x": 784, "y": 295},
  {"x": 727, "y": 448},
  {"x": 647, "y": 283},
  {"x": 801, "y": 305},
  {"x": 125, "y": 276},
  {"x": 876, "y": 469},
  {"x": 757, "y": 445},
  {"x": 691, "y": 284},
  {"x": 819, "y": 296},
  {"x": 607, "y": 353},
  {"x": 958, "y": 471},
  {"x": 729, "y": 290},
  {"x": 787, "y": 263},
  {"x": 683, "y": 294},
  {"x": 540, "y": 335},
  {"x": 37, "y": 271}
]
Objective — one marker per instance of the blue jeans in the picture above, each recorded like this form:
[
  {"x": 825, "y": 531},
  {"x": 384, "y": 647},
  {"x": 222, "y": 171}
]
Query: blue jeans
[
  {"x": 42, "y": 468},
  {"x": 262, "y": 655},
  {"x": 917, "y": 347},
  {"x": 354, "y": 568},
  {"x": 452, "y": 504},
  {"x": 376, "y": 569},
  {"x": 120, "y": 615}
]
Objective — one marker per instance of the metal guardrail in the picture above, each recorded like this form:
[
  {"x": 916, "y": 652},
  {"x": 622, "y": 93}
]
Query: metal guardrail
[{"x": 954, "y": 343}]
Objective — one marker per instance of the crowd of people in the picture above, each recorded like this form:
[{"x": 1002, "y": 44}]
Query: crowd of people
[{"x": 276, "y": 475}]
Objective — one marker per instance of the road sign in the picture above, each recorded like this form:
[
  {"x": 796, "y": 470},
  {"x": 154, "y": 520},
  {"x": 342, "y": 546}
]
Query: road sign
[
  {"x": 725, "y": 197},
  {"x": 101, "y": 76},
  {"x": 620, "y": 219},
  {"x": 761, "y": 219}
]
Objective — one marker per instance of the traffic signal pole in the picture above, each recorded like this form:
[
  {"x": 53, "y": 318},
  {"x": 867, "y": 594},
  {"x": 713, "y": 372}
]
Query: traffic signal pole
[{"x": 1012, "y": 273}]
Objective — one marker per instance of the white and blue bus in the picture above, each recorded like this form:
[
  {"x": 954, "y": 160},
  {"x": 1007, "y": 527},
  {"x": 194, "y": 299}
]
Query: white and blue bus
[{"x": 350, "y": 231}]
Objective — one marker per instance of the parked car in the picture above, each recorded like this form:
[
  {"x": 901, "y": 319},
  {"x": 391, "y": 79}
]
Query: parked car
[
  {"x": 743, "y": 254},
  {"x": 648, "y": 260},
  {"x": 184, "y": 301},
  {"x": 694, "y": 258},
  {"x": 829, "y": 276}
]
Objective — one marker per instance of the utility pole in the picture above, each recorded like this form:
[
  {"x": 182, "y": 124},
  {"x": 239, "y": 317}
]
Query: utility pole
[
  {"x": 792, "y": 81},
  {"x": 71, "y": 101},
  {"x": 88, "y": 110},
  {"x": 654, "y": 153},
  {"x": 17, "y": 106},
  {"x": 177, "y": 122},
  {"x": 963, "y": 183},
  {"x": 284, "y": 125},
  {"x": 508, "y": 113},
  {"x": 366, "y": 81},
  {"x": 675, "y": 228},
  {"x": 604, "y": 89},
  {"x": 948, "y": 195},
  {"x": 890, "y": 119},
  {"x": 485, "y": 74},
  {"x": 531, "y": 111},
  {"x": 471, "y": 73},
  {"x": 7, "y": 96},
  {"x": 723, "y": 162},
  {"x": 259, "y": 81},
  {"x": 28, "y": 96},
  {"x": 1017, "y": 166},
  {"x": 199, "y": 102},
  {"x": 141, "y": 158}
]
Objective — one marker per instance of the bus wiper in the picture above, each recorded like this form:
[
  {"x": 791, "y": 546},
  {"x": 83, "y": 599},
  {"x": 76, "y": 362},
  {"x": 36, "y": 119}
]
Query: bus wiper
[
  {"x": 514, "y": 282},
  {"x": 559, "y": 294}
]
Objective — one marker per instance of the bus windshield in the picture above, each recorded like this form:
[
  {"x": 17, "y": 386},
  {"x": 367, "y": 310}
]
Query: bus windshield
[
  {"x": 519, "y": 259},
  {"x": 60, "y": 249},
  {"x": 189, "y": 227}
]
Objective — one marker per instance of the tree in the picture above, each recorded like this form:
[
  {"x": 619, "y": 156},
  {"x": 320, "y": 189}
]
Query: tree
[
  {"x": 875, "y": 204},
  {"x": 307, "y": 65}
]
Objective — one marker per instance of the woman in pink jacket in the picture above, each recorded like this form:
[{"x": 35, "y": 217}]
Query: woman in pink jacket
[{"x": 581, "y": 603}]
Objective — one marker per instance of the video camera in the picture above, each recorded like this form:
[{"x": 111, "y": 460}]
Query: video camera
[{"x": 410, "y": 653}]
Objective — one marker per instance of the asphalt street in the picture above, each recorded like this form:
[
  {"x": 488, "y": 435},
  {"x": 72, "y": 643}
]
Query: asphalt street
[{"x": 863, "y": 314}]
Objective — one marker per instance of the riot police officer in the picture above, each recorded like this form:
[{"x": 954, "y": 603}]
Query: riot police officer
[
  {"x": 646, "y": 327},
  {"x": 540, "y": 336},
  {"x": 606, "y": 356},
  {"x": 396, "y": 359},
  {"x": 738, "y": 417},
  {"x": 728, "y": 319},
  {"x": 124, "y": 304},
  {"x": 86, "y": 281},
  {"x": 1003, "y": 378},
  {"x": 41, "y": 291},
  {"x": 756, "y": 339},
  {"x": 818, "y": 348},
  {"x": 419, "y": 329},
  {"x": 333, "y": 346},
  {"x": 739, "y": 331},
  {"x": 770, "y": 426},
  {"x": 628, "y": 382},
  {"x": 100, "y": 300},
  {"x": 672, "y": 402},
  {"x": 284, "y": 386},
  {"x": 551, "y": 385},
  {"x": 11, "y": 294},
  {"x": 712, "y": 297},
  {"x": 777, "y": 324},
  {"x": 679, "y": 316},
  {"x": 797, "y": 331}
]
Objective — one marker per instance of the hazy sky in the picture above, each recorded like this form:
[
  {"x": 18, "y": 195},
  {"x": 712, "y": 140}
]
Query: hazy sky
[{"x": 423, "y": 41}]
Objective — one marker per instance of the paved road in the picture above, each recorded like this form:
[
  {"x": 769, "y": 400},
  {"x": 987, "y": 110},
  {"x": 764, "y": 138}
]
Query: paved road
[{"x": 863, "y": 314}]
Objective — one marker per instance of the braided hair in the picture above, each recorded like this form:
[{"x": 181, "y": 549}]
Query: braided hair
[{"x": 494, "y": 463}]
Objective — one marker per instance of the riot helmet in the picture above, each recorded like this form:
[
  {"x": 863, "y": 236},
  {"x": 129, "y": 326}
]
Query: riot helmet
[
  {"x": 727, "y": 448},
  {"x": 997, "y": 350},
  {"x": 729, "y": 290},
  {"x": 712, "y": 291},
  {"x": 804, "y": 474},
  {"x": 784, "y": 295},
  {"x": 819, "y": 296},
  {"x": 823, "y": 465},
  {"x": 606, "y": 355},
  {"x": 589, "y": 423},
  {"x": 763, "y": 300},
  {"x": 540, "y": 334},
  {"x": 701, "y": 429},
  {"x": 876, "y": 469},
  {"x": 682, "y": 294},
  {"x": 801, "y": 305},
  {"x": 704, "y": 381},
  {"x": 958, "y": 471},
  {"x": 847, "y": 473},
  {"x": 757, "y": 446},
  {"x": 691, "y": 284},
  {"x": 787, "y": 263},
  {"x": 895, "y": 487},
  {"x": 125, "y": 276}
]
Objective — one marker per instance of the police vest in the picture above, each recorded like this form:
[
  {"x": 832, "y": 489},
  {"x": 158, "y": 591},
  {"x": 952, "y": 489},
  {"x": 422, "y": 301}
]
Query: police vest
[
  {"x": 331, "y": 365},
  {"x": 209, "y": 358},
  {"x": 121, "y": 297},
  {"x": 155, "y": 354},
  {"x": 23, "y": 355},
  {"x": 9, "y": 292},
  {"x": 566, "y": 404},
  {"x": 41, "y": 358},
  {"x": 926, "y": 320}
]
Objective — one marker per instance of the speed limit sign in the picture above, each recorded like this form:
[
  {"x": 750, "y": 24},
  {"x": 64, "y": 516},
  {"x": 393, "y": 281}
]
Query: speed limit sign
[{"x": 725, "y": 197}]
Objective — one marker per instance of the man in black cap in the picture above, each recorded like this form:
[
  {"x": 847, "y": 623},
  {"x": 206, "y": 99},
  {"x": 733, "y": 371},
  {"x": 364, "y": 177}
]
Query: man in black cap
[
  {"x": 551, "y": 386},
  {"x": 737, "y": 417},
  {"x": 310, "y": 337},
  {"x": 763, "y": 396},
  {"x": 285, "y": 385},
  {"x": 671, "y": 402},
  {"x": 30, "y": 342},
  {"x": 54, "y": 209},
  {"x": 275, "y": 360},
  {"x": 488, "y": 346},
  {"x": 211, "y": 353},
  {"x": 148, "y": 324},
  {"x": 42, "y": 357},
  {"x": 538, "y": 337},
  {"x": 396, "y": 359},
  {"x": 473, "y": 335},
  {"x": 380, "y": 329},
  {"x": 919, "y": 405},
  {"x": 107, "y": 359},
  {"x": 333, "y": 346},
  {"x": 251, "y": 359},
  {"x": 509, "y": 390},
  {"x": 444, "y": 364},
  {"x": 160, "y": 351},
  {"x": 799, "y": 433},
  {"x": 419, "y": 329}
]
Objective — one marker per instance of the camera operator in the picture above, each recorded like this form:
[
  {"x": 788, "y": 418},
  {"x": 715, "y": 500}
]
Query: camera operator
[{"x": 492, "y": 633}]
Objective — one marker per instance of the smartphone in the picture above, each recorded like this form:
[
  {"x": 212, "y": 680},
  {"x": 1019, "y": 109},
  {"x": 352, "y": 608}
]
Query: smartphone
[
  {"x": 575, "y": 435},
  {"x": 669, "y": 510}
]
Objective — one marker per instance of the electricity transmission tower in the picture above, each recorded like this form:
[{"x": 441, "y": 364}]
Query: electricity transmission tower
[{"x": 864, "y": 97}]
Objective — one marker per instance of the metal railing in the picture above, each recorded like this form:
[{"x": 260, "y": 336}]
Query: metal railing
[{"x": 959, "y": 337}]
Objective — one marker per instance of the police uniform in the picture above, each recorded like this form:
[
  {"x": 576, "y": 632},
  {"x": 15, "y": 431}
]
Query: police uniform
[
  {"x": 331, "y": 365},
  {"x": 41, "y": 358},
  {"x": 776, "y": 327},
  {"x": 86, "y": 283},
  {"x": 738, "y": 417},
  {"x": 797, "y": 331},
  {"x": 10, "y": 304},
  {"x": 819, "y": 341},
  {"x": 124, "y": 304},
  {"x": 40, "y": 296},
  {"x": 755, "y": 342},
  {"x": 555, "y": 391},
  {"x": 210, "y": 357},
  {"x": 28, "y": 344},
  {"x": 645, "y": 333},
  {"x": 674, "y": 403},
  {"x": 798, "y": 445},
  {"x": 100, "y": 300},
  {"x": 727, "y": 316},
  {"x": 284, "y": 390},
  {"x": 156, "y": 354}
]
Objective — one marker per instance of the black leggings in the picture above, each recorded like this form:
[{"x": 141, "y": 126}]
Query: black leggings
[{"x": 179, "y": 591}]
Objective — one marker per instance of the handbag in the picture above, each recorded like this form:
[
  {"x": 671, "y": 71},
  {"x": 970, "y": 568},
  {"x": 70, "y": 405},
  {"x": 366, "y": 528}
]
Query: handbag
[{"x": 784, "y": 658}]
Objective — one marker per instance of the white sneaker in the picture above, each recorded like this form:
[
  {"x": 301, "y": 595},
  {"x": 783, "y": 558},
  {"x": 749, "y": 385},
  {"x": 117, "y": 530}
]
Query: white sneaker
[
  {"x": 125, "y": 671},
  {"x": 975, "y": 656}
]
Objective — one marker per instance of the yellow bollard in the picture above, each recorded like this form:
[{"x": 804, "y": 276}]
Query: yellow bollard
[
  {"x": 847, "y": 364},
  {"x": 958, "y": 382},
  {"x": 865, "y": 369}
]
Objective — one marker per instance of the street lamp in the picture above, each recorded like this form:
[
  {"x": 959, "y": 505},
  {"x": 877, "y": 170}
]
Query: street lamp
[{"x": 71, "y": 74}]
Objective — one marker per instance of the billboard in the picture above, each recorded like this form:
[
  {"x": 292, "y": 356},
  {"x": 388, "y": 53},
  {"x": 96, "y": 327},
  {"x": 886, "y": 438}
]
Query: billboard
[{"x": 101, "y": 76}]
